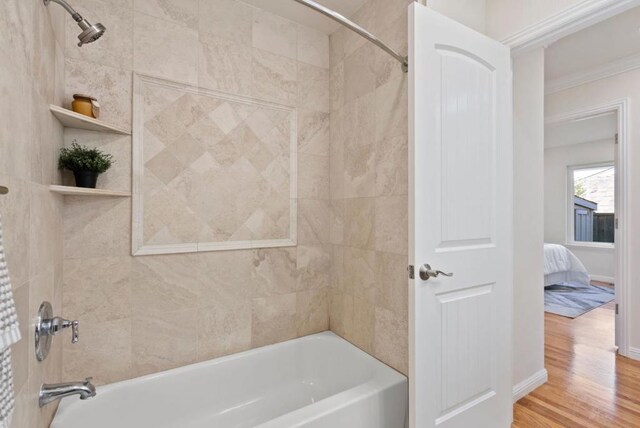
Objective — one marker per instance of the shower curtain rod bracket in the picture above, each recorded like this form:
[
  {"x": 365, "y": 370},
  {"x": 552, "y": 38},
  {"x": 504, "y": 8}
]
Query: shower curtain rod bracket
[{"x": 403, "y": 60}]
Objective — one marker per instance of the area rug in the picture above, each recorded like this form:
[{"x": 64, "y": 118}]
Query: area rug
[{"x": 572, "y": 300}]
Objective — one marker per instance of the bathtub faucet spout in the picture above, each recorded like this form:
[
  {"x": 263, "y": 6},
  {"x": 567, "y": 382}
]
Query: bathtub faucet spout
[{"x": 57, "y": 391}]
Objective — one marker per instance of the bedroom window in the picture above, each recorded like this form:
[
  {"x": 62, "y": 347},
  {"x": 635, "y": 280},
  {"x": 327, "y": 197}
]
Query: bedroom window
[{"x": 592, "y": 204}]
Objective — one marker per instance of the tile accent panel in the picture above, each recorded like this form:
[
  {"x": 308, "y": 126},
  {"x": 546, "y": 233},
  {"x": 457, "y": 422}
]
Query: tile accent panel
[{"x": 211, "y": 171}]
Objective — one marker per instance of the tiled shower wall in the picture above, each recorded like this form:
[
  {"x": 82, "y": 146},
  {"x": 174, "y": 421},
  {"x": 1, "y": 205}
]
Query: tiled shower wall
[
  {"x": 145, "y": 314},
  {"x": 369, "y": 185},
  {"x": 31, "y": 76},
  {"x": 149, "y": 313}
]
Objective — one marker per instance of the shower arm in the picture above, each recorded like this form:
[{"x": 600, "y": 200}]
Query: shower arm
[
  {"x": 403, "y": 60},
  {"x": 75, "y": 15}
]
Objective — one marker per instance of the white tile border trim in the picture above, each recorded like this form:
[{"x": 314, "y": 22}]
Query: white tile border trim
[
  {"x": 137, "y": 242},
  {"x": 530, "y": 384}
]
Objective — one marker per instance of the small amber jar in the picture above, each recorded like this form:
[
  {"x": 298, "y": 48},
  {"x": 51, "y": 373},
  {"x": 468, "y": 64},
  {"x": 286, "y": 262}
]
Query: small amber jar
[{"x": 86, "y": 105}]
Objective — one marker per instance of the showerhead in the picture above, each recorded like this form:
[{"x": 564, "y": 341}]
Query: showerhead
[{"x": 90, "y": 33}]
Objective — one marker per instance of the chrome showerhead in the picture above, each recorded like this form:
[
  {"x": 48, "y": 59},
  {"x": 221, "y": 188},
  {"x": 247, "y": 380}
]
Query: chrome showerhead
[{"x": 90, "y": 33}]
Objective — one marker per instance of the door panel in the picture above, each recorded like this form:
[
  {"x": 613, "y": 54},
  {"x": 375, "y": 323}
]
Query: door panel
[{"x": 461, "y": 222}]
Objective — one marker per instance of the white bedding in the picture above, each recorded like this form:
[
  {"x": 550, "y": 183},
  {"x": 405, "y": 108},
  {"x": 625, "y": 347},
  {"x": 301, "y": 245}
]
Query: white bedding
[{"x": 561, "y": 265}]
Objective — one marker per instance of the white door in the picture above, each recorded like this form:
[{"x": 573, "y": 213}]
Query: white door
[{"x": 461, "y": 222}]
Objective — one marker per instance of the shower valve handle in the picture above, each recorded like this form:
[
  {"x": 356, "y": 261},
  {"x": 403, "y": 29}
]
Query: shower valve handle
[{"x": 57, "y": 324}]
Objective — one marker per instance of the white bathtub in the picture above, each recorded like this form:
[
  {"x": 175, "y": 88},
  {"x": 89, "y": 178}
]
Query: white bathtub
[{"x": 315, "y": 381}]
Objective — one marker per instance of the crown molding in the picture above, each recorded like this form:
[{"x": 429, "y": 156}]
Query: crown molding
[
  {"x": 619, "y": 66},
  {"x": 568, "y": 21}
]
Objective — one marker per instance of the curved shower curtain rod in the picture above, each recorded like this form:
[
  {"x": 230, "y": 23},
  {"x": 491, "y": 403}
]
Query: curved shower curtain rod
[{"x": 404, "y": 61}]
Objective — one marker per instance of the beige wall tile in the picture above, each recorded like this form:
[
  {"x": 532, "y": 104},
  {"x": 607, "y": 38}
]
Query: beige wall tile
[
  {"x": 224, "y": 64},
  {"x": 336, "y": 46},
  {"x": 391, "y": 283},
  {"x": 313, "y": 47},
  {"x": 314, "y": 135},
  {"x": 164, "y": 49},
  {"x": 362, "y": 334},
  {"x": 337, "y": 224},
  {"x": 228, "y": 19},
  {"x": 392, "y": 163},
  {"x": 359, "y": 170},
  {"x": 391, "y": 109},
  {"x": 391, "y": 224},
  {"x": 359, "y": 72},
  {"x": 273, "y": 319},
  {"x": 359, "y": 273},
  {"x": 313, "y": 221},
  {"x": 275, "y": 271},
  {"x": 313, "y": 177},
  {"x": 390, "y": 342},
  {"x": 224, "y": 329},
  {"x": 166, "y": 283},
  {"x": 341, "y": 314},
  {"x": 313, "y": 88},
  {"x": 182, "y": 12},
  {"x": 368, "y": 167},
  {"x": 274, "y": 34},
  {"x": 163, "y": 342},
  {"x": 96, "y": 227},
  {"x": 97, "y": 290},
  {"x": 314, "y": 266},
  {"x": 312, "y": 313},
  {"x": 274, "y": 77},
  {"x": 359, "y": 222}
]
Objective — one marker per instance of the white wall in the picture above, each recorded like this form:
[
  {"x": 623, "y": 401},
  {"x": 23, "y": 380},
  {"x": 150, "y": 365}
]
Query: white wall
[
  {"x": 606, "y": 90},
  {"x": 528, "y": 139},
  {"x": 600, "y": 262}
]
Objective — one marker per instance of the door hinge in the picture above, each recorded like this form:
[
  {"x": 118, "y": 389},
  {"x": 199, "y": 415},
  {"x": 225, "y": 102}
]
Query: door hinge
[
  {"x": 412, "y": 272},
  {"x": 616, "y": 138},
  {"x": 616, "y": 222},
  {"x": 617, "y": 309}
]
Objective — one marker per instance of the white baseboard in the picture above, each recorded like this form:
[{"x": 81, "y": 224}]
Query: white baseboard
[
  {"x": 634, "y": 353},
  {"x": 601, "y": 278},
  {"x": 529, "y": 384}
]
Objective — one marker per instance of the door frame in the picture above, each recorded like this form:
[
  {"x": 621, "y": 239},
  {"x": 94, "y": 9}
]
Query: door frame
[{"x": 621, "y": 108}]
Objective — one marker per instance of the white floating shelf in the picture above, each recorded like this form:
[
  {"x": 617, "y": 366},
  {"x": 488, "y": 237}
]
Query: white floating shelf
[
  {"x": 83, "y": 191},
  {"x": 71, "y": 119}
]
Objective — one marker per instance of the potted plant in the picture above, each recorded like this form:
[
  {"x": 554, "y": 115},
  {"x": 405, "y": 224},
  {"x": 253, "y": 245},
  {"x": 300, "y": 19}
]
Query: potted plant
[{"x": 85, "y": 163}]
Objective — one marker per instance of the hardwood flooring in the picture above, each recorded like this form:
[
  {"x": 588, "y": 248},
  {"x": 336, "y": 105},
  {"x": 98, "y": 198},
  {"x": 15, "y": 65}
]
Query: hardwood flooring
[{"x": 589, "y": 385}]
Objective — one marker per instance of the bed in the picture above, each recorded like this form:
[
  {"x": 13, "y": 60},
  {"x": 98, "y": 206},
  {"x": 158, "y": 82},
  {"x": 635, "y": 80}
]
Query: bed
[{"x": 561, "y": 265}]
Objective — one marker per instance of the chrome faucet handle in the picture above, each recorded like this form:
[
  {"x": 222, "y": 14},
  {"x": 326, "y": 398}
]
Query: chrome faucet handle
[
  {"x": 57, "y": 324},
  {"x": 75, "y": 335}
]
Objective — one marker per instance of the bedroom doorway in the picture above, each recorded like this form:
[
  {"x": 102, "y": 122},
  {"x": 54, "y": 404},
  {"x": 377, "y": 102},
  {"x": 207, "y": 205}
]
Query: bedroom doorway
[
  {"x": 589, "y": 85},
  {"x": 585, "y": 155},
  {"x": 584, "y": 240}
]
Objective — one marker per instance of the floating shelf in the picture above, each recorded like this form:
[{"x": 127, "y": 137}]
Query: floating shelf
[
  {"x": 71, "y": 119},
  {"x": 83, "y": 191}
]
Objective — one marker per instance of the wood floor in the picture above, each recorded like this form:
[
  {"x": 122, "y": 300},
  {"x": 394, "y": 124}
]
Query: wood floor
[{"x": 589, "y": 385}]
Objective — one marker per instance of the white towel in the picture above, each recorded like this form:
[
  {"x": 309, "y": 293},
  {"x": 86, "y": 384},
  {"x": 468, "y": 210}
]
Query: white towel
[{"x": 9, "y": 334}]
